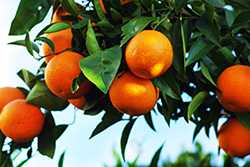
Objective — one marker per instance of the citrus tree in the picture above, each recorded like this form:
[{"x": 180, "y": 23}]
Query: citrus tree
[{"x": 129, "y": 59}]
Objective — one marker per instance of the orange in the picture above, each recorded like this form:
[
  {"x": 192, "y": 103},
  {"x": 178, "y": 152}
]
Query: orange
[
  {"x": 149, "y": 54},
  {"x": 21, "y": 121},
  {"x": 123, "y": 2},
  {"x": 234, "y": 88},
  {"x": 62, "y": 41},
  {"x": 234, "y": 138},
  {"x": 79, "y": 102},
  {"x": 60, "y": 73},
  {"x": 132, "y": 95},
  {"x": 8, "y": 94}
]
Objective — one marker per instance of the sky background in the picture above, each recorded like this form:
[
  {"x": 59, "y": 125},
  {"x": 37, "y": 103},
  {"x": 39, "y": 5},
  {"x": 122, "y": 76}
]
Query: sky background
[{"x": 75, "y": 141}]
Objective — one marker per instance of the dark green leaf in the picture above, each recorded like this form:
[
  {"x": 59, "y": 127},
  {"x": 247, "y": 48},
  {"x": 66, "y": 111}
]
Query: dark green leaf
[
  {"x": 5, "y": 160},
  {"x": 134, "y": 26},
  {"x": 22, "y": 163},
  {"x": 42, "y": 97},
  {"x": 46, "y": 140},
  {"x": 57, "y": 27},
  {"x": 91, "y": 41},
  {"x": 81, "y": 24},
  {"x": 198, "y": 99},
  {"x": 180, "y": 4},
  {"x": 216, "y": 3},
  {"x": 230, "y": 17},
  {"x": 47, "y": 41},
  {"x": 61, "y": 160},
  {"x": 244, "y": 118},
  {"x": 2, "y": 139},
  {"x": 28, "y": 44},
  {"x": 227, "y": 54},
  {"x": 148, "y": 119},
  {"x": 59, "y": 130},
  {"x": 205, "y": 72},
  {"x": 125, "y": 135},
  {"x": 196, "y": 131},
  {"x": 71, "y": 6},
  {"x": 101, "y": 68},
  {"x": 155, "y": 160},
  {"x": 242, "y": 19},
  {"x": 28, "y": 78},
  {"x": 22, "y": 43},
  {"x": 198, "y": 50},
  {"x": 29, "y": 13}
]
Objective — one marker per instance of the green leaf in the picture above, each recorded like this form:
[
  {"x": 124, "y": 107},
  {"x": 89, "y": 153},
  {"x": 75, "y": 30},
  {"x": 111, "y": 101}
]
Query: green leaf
[
  {"x": 209, "y": 30},
  {"x": 216, "y": 3},
  {"x": 134, "y": 26},
  {"x": 230, "y": 17},
  {"x": 242, "y": 19},
  {"x": 23, "y": 163},
  {"x": 227, "y": 55},
  {"x": 42, "y": 97},
  {"x": 148, "y": 119},
  {"x": 244, "y": 119},
  {"x": 57, "y": 27},
  {"x": 46, "y": 140},
  {"x": 81, "y": 24},
  {"x": 91, "y": 41},
  {"x": 198, "y": 50},
  {"x": 198, "y": 99},
  {"x": 101, "y": 67},
  {"x": 59, "y": 130},
  {"x": 155, "y": 160},
  {"x": 28, "y": 44},
  {"x": 28, "y": 78},
  {"x": 47, "y": 41},
  {"x": 196, "y": 131},
  {"x": 71, "y": 6},
  {"x": 168, "y": 85},
  {"x": 22, "y": 43},
  {"x": 61, "y": 160},
  {"x": 5, "y": 160},
  {"x": 110, "y": 118},
  {"x": 180, "y": 4},
  {"x": 125, "y": 135},
  {"x": 205, "y": 72},
  {"x": 29, "y": 14}
]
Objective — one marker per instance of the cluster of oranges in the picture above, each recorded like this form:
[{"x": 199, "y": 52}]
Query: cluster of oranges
[{"x": 234, "y": 94}]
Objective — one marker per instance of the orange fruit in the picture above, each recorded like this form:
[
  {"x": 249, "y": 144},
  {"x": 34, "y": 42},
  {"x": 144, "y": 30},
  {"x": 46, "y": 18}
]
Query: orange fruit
[
  {"x": 21, "y": 121},
  {"x": 62, "y": 40},
  {"x": 149, "y": 54},
  {"x": 79, "y": 102},
  {"x": 234, "y": 138},
  {"x": 132, "y": 95},
  {"x": 8, "y": 94},
  {"x": 234, "y": 88},
  {"x": 60, "y": 73},
  {"x": 123, "y": 2}
]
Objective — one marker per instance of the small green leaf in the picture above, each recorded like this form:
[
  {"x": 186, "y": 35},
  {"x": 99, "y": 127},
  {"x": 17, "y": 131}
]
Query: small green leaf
[
  {"x": 227, "y": 55},
  {"x": 28, "y": 44},
  {"x": 28, "y": 78},
  {"x": 57, "y": 27},
  {"x": 133, "y": 27},
  {"x": 46, "y": 140},
  {"x": 81, "y": 24},
  {"x": 42, "y": 97},
  {"x": 101, "y": 67},
  {"x": 61, "y": 160},
  {"x": 22, "y": 43},
  {"x": 244, "y": 119},
  {"x": 198, "y": 99},
  {"x": 198, "y": 50},
  {"x": 47, "y": 41},
  {"x": 205, "y": 72},
  {"x": 23, "y": 163},
  {"x": 148, "y": 119},
  {"x": 29, "y": 14},
  {"x": 196, "y": 131},
  {"x": 5, "y": 160},
  {"x": 71, "y": 6},
  {"x": 180, "y": 4},
  {"x": 242, "y": 19},
  {"x": 125, "y": 135},
  {"x": 155, "y": 160},
  {"x": 216, "y": 3},
  {"x": 91, "y": 41},
  {"x": 230, "y": 17},
  {"x": 59, "y": 130}
]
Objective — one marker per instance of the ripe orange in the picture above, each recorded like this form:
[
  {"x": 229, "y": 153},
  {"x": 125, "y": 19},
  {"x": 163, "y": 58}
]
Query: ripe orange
[
  {"x": 8, "y": 94},
  {"x": 234, "y": 138},
  {"x": 79, "y": 102},
  {"x": 149, "y": 54},
  {"x": 123, "y": 2},
  {"x": 60, "y": 73},
  {"x": 132, "y": 95},
  {"x": 62, "y": 40},
  {"x": 21, "y": 121},
  {"x": 234, "y": 88}
]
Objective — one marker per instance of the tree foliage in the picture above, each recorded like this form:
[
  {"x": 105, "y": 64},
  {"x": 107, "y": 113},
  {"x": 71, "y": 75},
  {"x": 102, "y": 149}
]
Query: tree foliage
[{"x": 207, "y": 36}]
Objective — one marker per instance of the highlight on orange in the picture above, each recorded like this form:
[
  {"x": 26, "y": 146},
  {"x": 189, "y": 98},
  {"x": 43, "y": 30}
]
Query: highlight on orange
[
  {"x": 8, "y": 94},
  {"x": 234, "y": 88},
  {"x": 132, "y": 95},
  {"x": 234, "y": 138},
  {"x": 149, "y": 54},
  {"x": 21, "y": 121},
  {"x": 60, "y": 73}
]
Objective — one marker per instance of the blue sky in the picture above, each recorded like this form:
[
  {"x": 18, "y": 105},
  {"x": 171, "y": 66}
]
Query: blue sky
[{"x": 79, "y": 149}]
